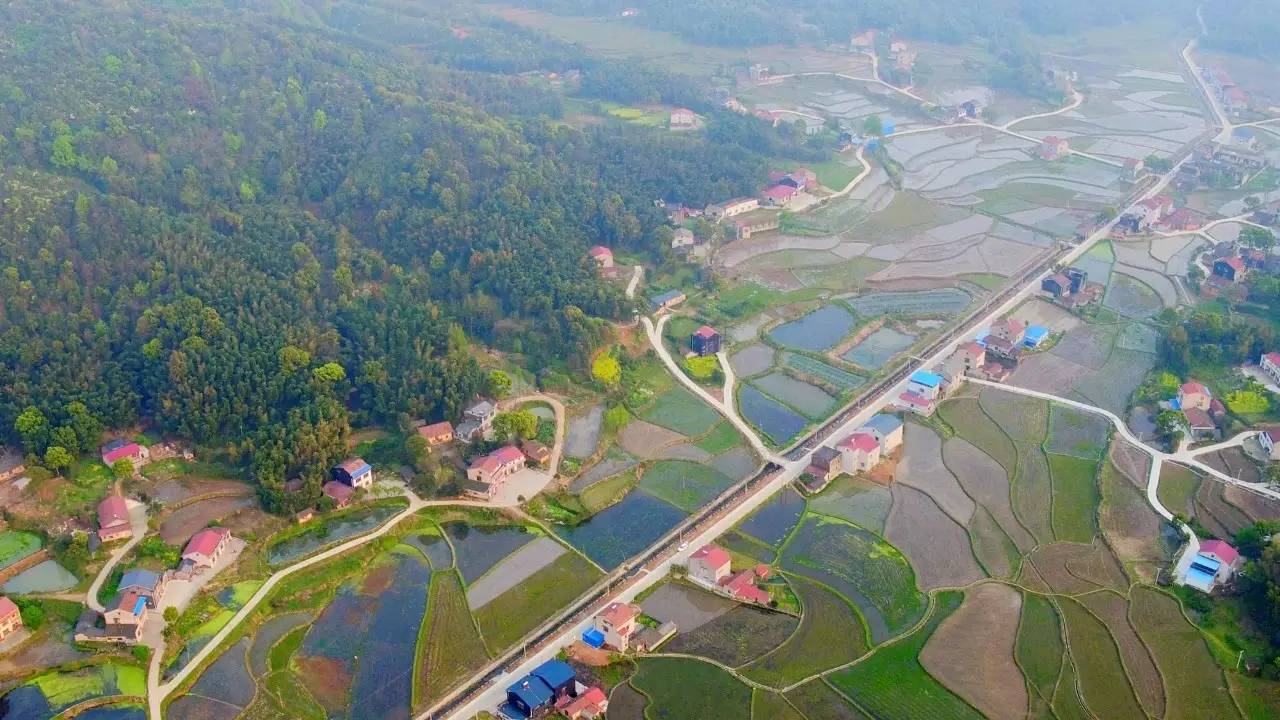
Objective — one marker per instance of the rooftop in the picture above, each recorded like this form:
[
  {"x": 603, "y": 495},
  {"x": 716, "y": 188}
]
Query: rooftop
[
  {"x": 139, "y": 577},
  {"x": 861, "y": 441},
  {"x": 355, "y": 466},
  {"x": 1193, "y": 387},
  {"x": 1220, "y": 548},
  {"x": 884, "y": 423},
  {"x": 112, "y": 511},
  {"x": 206, "y": 541},
  {"x": 617, "y": 613},
  {"x": 706, "y": 331},
  {"x": 7, "y": 608},
  {"x": 713, "y": 555},
  {"x": 554, "y": 672},
  {"x": 926, "y": 378},
  {"x": 338, "y": 492},
  {"x": 436, "y": 429}
]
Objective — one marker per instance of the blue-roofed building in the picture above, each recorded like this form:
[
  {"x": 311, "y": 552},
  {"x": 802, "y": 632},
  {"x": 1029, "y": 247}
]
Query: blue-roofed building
[
  {"x": 668, "y": 299},
  {"x": 526, "y": 695},
  {"x": 558, "y": 675},
  {"x": 1203, "y": 573},
  {"x": 145, "y": 582},
  {"x": 593, "y": 637},
  {"x": 886, "y": 429},
  {"x": 925, "y": 384},
  {"x": 354, "y": 472},
  {"x": 1035, "y": 335}
]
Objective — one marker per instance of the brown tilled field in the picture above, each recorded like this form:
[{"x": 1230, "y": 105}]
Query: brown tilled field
[
  {"x": 1131, "y": 461},
  {"x": 972, "y": 652},
  {"x": 1071, "y": 568},
  {"x": 922, "y": 468},
  {"x": 1212, "y": 509},
  {"x": 1128, "y": 522},
  {"x": 646, "y": 440},
  {"x": 1256, "y": 506},
  {"x": 1113, "y": 611},
  {"x": 178, "y": 527},
  {"x": 936, "y": 546},
  {"x": 986, "y": 481}
]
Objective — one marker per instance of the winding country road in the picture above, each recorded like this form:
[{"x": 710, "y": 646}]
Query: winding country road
[{"x": 138, "y": 523}]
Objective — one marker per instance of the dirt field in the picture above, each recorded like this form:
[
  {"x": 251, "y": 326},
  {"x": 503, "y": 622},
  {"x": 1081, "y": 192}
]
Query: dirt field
[
  {"x": 937, "y": 547},
  {"x": 688, "y": 607},
  {"x": 1129, "y": 523},
  {"x": 181, "y": 524},
  {"x": 922, "y": 468},
  {"x": 1254, "y": 505},
  {"x": 972, "y": 652},
  {"x": 1113, "y": 610},
  {"x": 987, "y": 483},
  {"x": 1071, "y": 568},
  {"x": 175, "y": 491},
  {"x": 646, "y": 440}
]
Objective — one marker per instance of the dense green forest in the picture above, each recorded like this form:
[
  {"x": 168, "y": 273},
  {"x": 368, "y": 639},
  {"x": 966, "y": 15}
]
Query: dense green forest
[{"x": 255, "y": 223}]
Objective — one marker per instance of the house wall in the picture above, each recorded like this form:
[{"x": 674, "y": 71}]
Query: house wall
[
  {"x": 9, "y": 625},
  {"x": 1271, "y": 369},
  {"x": 701, "y": 571}
]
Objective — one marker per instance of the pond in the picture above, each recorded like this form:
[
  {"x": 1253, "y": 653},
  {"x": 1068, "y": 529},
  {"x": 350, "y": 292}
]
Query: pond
[
  {"x": 817, "y": 331},
  {"x": 438, "y": 552},
  {"x": 120, "y": 711},
  {"x": 480, "y": 548},
  {"x": 779, "y": 422},
  {"x": 775, "y": 520},
  {"x": 383, "y": 686},
  {"x": 329, "y": 532},
  {"x": 916, "y": 302},
  {"x": 270, "y": 633},
  {"x": 223, "y": 690},
  {"x": 47, "y": 576},
  {"x": 878, "y": 348},
  {"x": 623, "y": 529},
  {"x": 49, "y": 694},
  {"x": 806, "y": 398},
  {"x": 583, "y": 433}
]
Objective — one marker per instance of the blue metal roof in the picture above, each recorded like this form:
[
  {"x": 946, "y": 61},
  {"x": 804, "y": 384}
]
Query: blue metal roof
[
  {"x": 1199, "y": 578},
  {"x": 361, "y": 470},
  {"x": 1036, "y": 331},
  {"x": 139, "y": 605},
  {"x": 593, "y": 637},
  {"x": 1175, "y": 404},
  {"x": 532, "y": 691},
  {"x": 666, "y": 297},
  {"x": 883, "y": 423},
  {"x": 928, "y": 379},
  {"x": 140, "y": 578},
  {"x": 1208, "y": 563},
  {"x": 554, "y": 672}
]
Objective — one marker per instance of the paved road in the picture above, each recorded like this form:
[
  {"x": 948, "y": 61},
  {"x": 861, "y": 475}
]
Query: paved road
[
  {"x": 553, "y": 464},
  {"x": 637, "y": 273},
  {"x": 138, "y": 522}
]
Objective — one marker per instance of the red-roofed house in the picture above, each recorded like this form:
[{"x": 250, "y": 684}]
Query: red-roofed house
[
  {"x": 743, "y": 587},
  {"x": 1181, "y": 220},
  {"x": 1194, "y": 395},
  {"x": 1229, "y": 268},
  {"x": 1053, "y": 148},
  {"x": 1270, "y": 441},
  {"x": 492, "y": 469},
  {"x": 863, "y": 41},
  {"x": 763, "y": 572},
  {"x": 535, "y": 452},
  {"x": 705, "y": 341},
  {"x": 1221, "y": 551},
  {"x": 1153, "y": 210},
  {"x": 10, "y": 618},
  {"x": 1270, "y": 364},
  {"x": 121, "y": 450},
  {"x": 124, "y": 618},
  {"x": 437, "y": 433},
  {"x": 1199, "y": 423},
  {"x": 591, "y": 704},
  {"x": 860, "y": 451},
  {"x": 339, "y": 493},
  {"x": 969, "y": 357},
  {"x": 207, "y": 546},
  {"x": 779, "y": 196},
  {"x": 912, "y": 402},
  {"x": 710, "y": 565},
  {"x": 602, "y": 255},
  {"x": 113, "y": 519},
  {"x": 618, "y": 623},
  {"x": 1010, "y": 329}
]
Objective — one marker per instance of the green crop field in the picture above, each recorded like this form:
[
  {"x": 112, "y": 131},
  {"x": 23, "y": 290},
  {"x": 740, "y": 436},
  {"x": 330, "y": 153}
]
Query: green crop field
[
  {"x": 679, "y": 410},
  {"x": 1259, "y": 699},
  {"x": 767, "y": 705},
  {"x": 839, "y": 379},
  {"x": 830, "y": 634},
  {"x": 834, "y": 174},
  {"x": 15, "y": 545},
  {"x": 449, "y": 646},
  {"x": 1066, "y": 702},
  {"x": 1178, "y": 485},
  {"x": 1039, "y": 649},
  {"x": 892, "y": 684},
  {"x": 1075, "y": 498},
  {"x": 818, "y": 701},
  {"x": 966, "y": 416},
  {"x": 856, "y": 560},
  {"x": 680, "y": 689},
  {"x": 1103, "y": 682},
  {"x": 605, "y": 492},
  {"x": 1192, "y": 679},
  {"x": 721, "y": 438},
  {"x": 686, "y": 485},
  {"x": 294, "y": 696},
  {"x": 285, "y": 647},
  {"x": 516, "y": 612}
]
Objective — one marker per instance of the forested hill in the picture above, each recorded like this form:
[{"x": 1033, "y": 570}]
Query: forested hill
[{"x": 244, "y": 221}]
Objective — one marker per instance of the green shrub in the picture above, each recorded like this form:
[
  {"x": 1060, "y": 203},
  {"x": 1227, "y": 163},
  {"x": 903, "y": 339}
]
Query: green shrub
[{"x": 1247, "y": 402}]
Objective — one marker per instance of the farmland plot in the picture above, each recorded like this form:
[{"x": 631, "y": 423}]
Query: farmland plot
[
  {"x": 987, "y": 483},
  {"x": 1193, "y": 679},
  {"x": 972, "y": 652},
  {"x": 737, "y": 637},
  {"x": 1039, "y": 645},
  {"x": 830, "y": 634},
  {"x": 1103, "y": 682},
  {"x": 937, "y": 547},
  {"x": 1113, "y": 611},
  {"x": 859, "y": 501},
  {"x": 1077, "y": 433},
  {"x": 678, "y": 688}
]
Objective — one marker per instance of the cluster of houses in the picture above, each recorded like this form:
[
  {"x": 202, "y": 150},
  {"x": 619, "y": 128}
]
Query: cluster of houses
[
  {"x": 488, "y": 473},
  {"x": 618, "y": 628},
  {"x": 1071, "y": 282},
  {"x": 858, "y": 453},
  {"x": 553, "y": 688},
  {"x": 1160, "y": 213},
  {"x": 710, "y": 567},
  {"x": 1230, "y": 164},
  {"x": 1204, "y": 412},
  {"x": 1229, "y": 264},
  {"x": 10, "y": 618},
  {"x": 1213, "y": 566},
  {"x": 785, "y": 187},
  {"x": 902, "y": 56},
  {"x": 1233, "y": 98}
]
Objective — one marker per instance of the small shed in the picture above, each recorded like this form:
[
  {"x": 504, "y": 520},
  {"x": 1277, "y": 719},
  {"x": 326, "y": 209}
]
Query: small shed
[
  {"x": 1035, "y": 335},
  {"x": 593, "y": 637}
]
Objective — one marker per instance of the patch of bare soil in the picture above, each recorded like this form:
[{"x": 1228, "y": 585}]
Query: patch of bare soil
[
  {"x": 937, "y": 547},
  {"x": 986, "y": 481},
  {"x": 1130, "y": 525},
  {"x": 972, "y": 652},
  {"x": 328, "y": 680},
  {"x": 178, "y": 526},
  {"x": 1113, "y": 610},
  {"x": 1220, "y": 516},
  {"x": 1257, "y": 507},
  {"x": 1071, "y": 568},
  {"x": 646, "y": 440},
  {"x": 922, "y": 468},
  {"x": 1131, "y": 461}
]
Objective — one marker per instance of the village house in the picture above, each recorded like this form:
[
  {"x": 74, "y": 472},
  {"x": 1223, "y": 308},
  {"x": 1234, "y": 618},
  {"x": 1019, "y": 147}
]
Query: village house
[
  {"x": 435, "y": 434},
  {"x": 10, "y": 618},
  {"x": 682, "y": 237},
  {"x": 1269, "y": 439},
  {"x": 602, "y": 256},
  {"x": 667, "y": 300},
  {"x": 1034, "y": 335},
  {"x": 1230, "y": 269},
  {"x": 780, "y": 196},
  {"x": 144, "y": 582},
  {"x": 550, "y": 683},
  {"x": 886, "y": 429},
  {"x": 705, "y": 341},
  {"x": 476, "y": 420},
  {"x": 206, "y": 547},
  {"x": 535, "y": 452},
  {"x": 914, "y": 402},
  {"x": 1053, "y": 148},
  {"x": 125, "y": 617},
  {"x": 1009, "y": 329},
  {"x": 864, "y": 40},
  {"x": 925, "y": 384},
  {"x": 1216, "y": 563},
  {"x": 1254, "y": 259},
  {"x": 618, "y": 623},
  {"x": 11, "y": 465},
  {"x": 729, "y": 208},
  {"x": 969, "y": 110},
  {"x": 966, "y": 359},
  {"x": 339, "y": 493},
  {"x": 118, "y": 449},
  {"x": 1193, "y": 395},
  {"x": 758, "y": 72},
  {"x": 897, "y": 46},
  {"x": 709, "y": 565},
  {"x": 1003, "y": 350},
  {"x": 1270, "y": 364},
  {"x": 825, "y": 464},
  {"x": 589, "y": 705},
  {"x": 113, "y": 519},
  {"x": 1181, "y": 220},
  {"x": 1133, "y": 168},
  {"x": 682, "y": 119},
  {"x": 355, "y": 472},
  {"x": 1200, "y": 424},
  {"x": 1057, "y": 285},
  {"x": 860, "y": 452},
  {"x": 743, "y": 229},
  {"x": 487, "y": 473},
  {"x": 742, "y": 587}
]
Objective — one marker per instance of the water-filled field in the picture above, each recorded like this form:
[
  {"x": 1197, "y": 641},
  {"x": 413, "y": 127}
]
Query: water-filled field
[
  {"x": 878, "y": 348},
  {"x": 800, "y": 395},
  {"x": 817, "y": 331},
  {"x": 774, "y": 419},
  {"x": 47, "y": 576},
  {"x": 329, "y": 532},
  {"x": 622, "y": 529}
]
